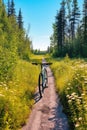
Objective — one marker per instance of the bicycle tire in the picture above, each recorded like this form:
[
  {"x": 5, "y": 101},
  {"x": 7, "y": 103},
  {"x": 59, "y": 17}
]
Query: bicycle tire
[
  {"x": 46, "y": 77},
  {"x": 40, "y": 84}
]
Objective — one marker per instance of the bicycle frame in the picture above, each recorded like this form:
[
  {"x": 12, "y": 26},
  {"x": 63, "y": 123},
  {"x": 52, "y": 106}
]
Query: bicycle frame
[{"x": 43, "y": 77}]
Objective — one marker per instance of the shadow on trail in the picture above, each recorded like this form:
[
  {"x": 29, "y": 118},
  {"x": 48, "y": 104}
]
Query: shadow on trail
[
  {"x": 37, "y": 97},
  {"x": 59, "y": 118}
]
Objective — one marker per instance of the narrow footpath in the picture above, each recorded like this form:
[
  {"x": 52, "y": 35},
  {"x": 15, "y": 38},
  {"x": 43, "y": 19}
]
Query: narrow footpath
[{"x": 47, "y": 112}]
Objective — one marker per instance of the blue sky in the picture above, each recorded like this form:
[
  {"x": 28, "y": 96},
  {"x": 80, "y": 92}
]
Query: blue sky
[{"x": 40, "y": 15}]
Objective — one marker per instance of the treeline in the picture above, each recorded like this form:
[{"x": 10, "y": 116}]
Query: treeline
[
  {"x": 14, "y": 41},
  {"x": 70, "y": 30}
]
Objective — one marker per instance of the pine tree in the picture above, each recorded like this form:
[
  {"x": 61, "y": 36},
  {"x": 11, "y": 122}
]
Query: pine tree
[
  {"x": 85, "y": 19},
  {"x": 20, "y": 22},
  {"x": 74, "y": 18},
  {"x": 68, "y": 29},
  {"x": 85, "y": 28},
  {"x": 12, "y": 8},
  {"x": 53, "y": 40},
  {"x": 9, "y": 8},
  {"x": 61, "y": 25}
]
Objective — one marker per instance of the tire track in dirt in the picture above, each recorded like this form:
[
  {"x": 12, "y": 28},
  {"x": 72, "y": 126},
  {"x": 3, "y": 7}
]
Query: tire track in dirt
[{"x": 47, "y": 112}]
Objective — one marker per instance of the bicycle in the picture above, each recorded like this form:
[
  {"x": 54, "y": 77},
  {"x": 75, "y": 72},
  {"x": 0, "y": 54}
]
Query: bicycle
[{"x": 43, "y": 77}]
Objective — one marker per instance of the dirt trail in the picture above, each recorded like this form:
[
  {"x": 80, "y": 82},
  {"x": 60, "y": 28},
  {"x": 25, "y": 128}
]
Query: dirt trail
[{"x": 47, "y": 112}]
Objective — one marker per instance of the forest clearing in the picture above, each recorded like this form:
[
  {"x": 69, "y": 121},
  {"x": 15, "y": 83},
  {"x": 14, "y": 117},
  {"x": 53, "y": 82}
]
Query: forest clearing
[
  {"x": 63, "y": 105},
  {"x": 17, "y": 96}
]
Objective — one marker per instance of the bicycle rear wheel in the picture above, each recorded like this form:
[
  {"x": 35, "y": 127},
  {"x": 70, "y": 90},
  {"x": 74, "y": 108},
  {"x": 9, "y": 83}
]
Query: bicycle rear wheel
[{"x": 40, "y": 84}]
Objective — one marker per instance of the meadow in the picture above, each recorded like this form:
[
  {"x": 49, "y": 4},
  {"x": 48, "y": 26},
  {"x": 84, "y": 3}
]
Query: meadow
[
  {"x": 71, "y": 85},
  {"x": 17, "y": 95}
]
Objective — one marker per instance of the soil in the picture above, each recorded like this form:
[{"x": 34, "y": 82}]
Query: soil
[{"x": 47, "y": 113}]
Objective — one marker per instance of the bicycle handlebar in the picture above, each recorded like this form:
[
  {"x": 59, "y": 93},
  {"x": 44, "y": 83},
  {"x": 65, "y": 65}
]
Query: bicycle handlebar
[{"x": 34, "y": 63}]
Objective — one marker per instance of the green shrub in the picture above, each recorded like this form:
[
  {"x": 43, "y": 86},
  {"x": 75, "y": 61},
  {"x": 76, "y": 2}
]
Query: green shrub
[
  {"x": 71, "y": 83},
  {"x": 16, "y": 96},
  {"x": 7, "y": 63}
]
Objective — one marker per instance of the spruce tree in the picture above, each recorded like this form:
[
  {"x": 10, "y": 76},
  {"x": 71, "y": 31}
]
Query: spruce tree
[
  {"x": 12, "y": 8},
  {"x": 85, "y": 19},
  {"x": 85, "y": 28},
  {"x": 9, "y": 8},
  {"x": 20, "y": 22},
  {"x": 61, "y": 25},
  {"x": 74, "y": 18}
]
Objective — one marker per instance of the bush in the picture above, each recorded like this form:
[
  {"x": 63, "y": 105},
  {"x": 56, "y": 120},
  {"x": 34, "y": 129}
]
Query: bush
[
  {"x": 16, "y": 96},
  {"x": 7, "y": 63},
  {"x": 71, "y": 83}
]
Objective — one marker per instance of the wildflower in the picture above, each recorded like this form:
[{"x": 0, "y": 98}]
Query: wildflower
[
  {"x": 85, "y": 82},
  {"x": 81, "y": 66},
  {"x": 70, "y": 97},
  {"x": 1, "y": 95},
  {"x": 78, "y": 101},
  {"x": 69, "y": 101},
  {"x": 80, "y": 118},
  {"x": 67, "y": 96},
  {"x": 85, "y": 106},
  {"x": 76, "y": 96},
  {"x": 77, "y": 125},
  {"x": 76, "y": 78},
  {"x": 68, "y": 88},
  {"x": 73, "y": 98},
  {"x": 84, "y": 102},
  {"x": 73, "y": 93},
  {"x": 82, "y": 94},
  {"x": 85, "y": 78},
  {"x": 80, "y": 97}
]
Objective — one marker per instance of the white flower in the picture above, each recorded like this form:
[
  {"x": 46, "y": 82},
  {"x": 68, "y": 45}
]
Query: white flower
[
  {"x": 69, "y": 101},
  {"x": 73, "y": 98},
  {"x": 77, "y": 125},
  {"x": 68, "y": 88},
  {"x": 73, "y": 94},
  {"x": 80, "y": 118},
  {"x": 82, "y": 94},
  {"x": 67, "y": 96}
]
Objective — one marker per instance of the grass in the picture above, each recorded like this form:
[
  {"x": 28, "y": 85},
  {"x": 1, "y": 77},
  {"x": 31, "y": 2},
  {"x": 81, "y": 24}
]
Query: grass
[
  {"x": 16, "y": 96},
  {"x": 71, "y": 84},
  {"x": 36, "y": 58}
]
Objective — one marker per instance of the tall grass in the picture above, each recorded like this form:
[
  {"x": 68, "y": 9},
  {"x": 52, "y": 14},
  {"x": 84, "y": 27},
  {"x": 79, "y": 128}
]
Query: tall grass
[
  {"x": 71, "y": 84},
  {"x": 16, "y": 96},
  {"x": 36, "y": 58}
]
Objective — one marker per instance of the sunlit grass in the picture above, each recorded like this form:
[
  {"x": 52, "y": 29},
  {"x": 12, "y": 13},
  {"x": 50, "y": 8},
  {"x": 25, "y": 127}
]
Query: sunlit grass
[
  {"x": 71, "y": 83},
  {"x": 16, "y": 96},
  {"x": 37, "y": 58}
]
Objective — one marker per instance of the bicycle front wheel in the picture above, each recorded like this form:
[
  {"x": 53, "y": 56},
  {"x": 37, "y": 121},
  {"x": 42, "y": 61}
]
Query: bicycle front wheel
[
  {"x": 40, "y": 84},
  {"x": 46, "y": 78}
]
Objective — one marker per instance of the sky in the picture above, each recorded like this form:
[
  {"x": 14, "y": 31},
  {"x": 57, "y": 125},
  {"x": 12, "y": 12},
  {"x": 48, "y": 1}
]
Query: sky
[{"x": 38, "y": 16}]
